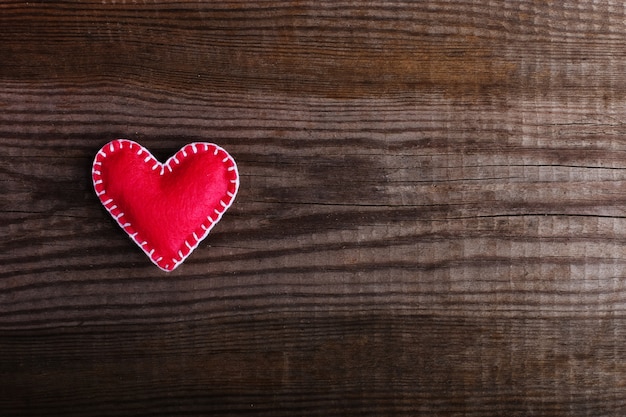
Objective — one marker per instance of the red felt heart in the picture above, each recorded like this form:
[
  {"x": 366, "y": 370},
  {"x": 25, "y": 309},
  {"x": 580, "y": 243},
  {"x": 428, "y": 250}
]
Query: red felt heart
[{"x": 167, "y": 209}]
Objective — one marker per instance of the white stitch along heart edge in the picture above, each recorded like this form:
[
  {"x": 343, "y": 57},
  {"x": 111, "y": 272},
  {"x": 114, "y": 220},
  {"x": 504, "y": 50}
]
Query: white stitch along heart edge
[{"x": 192, "y": 241}]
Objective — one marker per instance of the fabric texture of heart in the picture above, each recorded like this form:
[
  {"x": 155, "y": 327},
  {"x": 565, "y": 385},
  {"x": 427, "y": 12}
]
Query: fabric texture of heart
[{"x": 166, "y": 208}]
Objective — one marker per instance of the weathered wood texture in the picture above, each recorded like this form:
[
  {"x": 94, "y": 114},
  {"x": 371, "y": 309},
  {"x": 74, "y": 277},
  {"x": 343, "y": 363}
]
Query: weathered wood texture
[{"x": 431, "y": 221}]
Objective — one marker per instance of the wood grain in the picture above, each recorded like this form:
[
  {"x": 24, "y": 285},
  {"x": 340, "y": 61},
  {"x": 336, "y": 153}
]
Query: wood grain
[{"x": 431, "y": 219}]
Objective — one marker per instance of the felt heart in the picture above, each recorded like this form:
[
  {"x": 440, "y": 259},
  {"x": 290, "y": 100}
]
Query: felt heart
[{"x": 166, "y": 208}]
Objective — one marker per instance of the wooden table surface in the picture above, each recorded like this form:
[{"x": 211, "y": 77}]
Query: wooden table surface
[{"x": 431, "y": 219}]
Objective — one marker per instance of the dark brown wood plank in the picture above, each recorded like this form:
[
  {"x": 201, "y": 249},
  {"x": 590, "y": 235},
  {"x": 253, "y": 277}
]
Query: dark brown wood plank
[
  {"x": 430, "y": 221},
  {"x": 337, "y": 365}
]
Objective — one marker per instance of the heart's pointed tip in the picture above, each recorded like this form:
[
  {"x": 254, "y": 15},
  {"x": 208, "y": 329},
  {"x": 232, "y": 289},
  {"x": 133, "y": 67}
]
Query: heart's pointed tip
[{"x": 167, "y": 269}]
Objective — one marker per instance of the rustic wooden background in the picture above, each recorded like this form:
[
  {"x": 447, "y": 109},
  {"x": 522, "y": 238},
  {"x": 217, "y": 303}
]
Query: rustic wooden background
[{"x": 431, "y": 220}]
